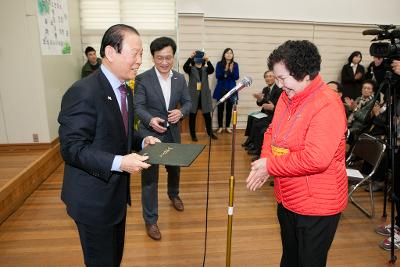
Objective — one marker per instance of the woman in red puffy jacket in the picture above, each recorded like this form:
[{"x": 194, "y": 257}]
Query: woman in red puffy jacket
[{"x": 304, "y": 150}]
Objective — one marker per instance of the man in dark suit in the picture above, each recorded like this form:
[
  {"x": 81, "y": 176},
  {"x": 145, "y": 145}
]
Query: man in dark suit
[
  {"x": 96, "y": 136},
  {"x": 267, "y": 100},
  {"x": 158, "y": 92}
]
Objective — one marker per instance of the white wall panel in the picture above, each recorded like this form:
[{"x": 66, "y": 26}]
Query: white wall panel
[{"x": 252, "y": 41}]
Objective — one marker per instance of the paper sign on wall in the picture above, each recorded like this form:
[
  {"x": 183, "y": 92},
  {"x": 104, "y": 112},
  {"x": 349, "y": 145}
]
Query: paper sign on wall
[{"x": 54, "y": 27}]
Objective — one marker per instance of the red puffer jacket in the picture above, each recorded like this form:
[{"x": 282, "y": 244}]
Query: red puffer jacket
[{"x": 310, "y": 177}]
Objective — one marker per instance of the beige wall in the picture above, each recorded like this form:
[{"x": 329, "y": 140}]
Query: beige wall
[
  {"x": 338, "y": 11},
  {"x": 32, "y": 84},
  {"x": 253, "y": 40}
]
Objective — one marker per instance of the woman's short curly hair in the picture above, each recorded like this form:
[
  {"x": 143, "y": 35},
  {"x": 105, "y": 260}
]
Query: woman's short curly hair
[{"x": 301, "y": 58}]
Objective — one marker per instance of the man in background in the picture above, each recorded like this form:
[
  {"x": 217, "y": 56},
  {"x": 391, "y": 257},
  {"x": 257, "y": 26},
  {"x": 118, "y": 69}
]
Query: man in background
[
  {"x": 161, "y": 100},
  {"x": 92, "y": 63},
  {"x": 267, "y": 101}
]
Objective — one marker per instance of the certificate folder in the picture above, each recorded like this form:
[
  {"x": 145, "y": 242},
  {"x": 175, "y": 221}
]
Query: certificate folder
[{"x": 172, "y": 154}]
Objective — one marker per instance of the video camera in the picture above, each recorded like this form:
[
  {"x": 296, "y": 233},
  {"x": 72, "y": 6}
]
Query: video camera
[{"x": 389, "y": 50}]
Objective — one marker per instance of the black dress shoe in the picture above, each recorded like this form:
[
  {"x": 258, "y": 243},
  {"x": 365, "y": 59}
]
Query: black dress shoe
[
  {"x": 213, "y": 136},
  {"x": 194, "y": 139},
  {"x": 254, "y": 152},
  {"x": 249, "y": 147},
  {"x": 247, "y": 142}
]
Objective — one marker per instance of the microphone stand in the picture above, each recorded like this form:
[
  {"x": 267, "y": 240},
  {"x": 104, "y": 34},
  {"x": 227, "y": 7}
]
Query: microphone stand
[
  {"x": 392, "y": 102},
  {"x": 231, "y": 186}
]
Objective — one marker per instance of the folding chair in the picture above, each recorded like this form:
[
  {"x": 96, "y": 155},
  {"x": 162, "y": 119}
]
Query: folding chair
[{"x": 371, "y": 150}]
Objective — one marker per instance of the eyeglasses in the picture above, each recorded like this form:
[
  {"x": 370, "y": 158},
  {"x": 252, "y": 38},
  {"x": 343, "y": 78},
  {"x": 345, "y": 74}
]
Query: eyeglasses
[{"x": 161, "y": 58}]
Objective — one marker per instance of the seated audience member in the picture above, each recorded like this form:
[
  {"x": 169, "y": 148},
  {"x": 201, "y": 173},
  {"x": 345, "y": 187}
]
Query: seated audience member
[
  {"x": 378, "y": 129},
  {"x": 338, "y": 88},
  {"x": 269, "y": 80},
  {"x": 92, "y": 63},
  {"x": 353, "y": 76},
  {"x": 267, "y": 100},
  {"x": 360, "y": 111}
]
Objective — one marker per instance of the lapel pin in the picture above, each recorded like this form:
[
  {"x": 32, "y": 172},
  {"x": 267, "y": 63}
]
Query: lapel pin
[{"x": 109, "y": 98}]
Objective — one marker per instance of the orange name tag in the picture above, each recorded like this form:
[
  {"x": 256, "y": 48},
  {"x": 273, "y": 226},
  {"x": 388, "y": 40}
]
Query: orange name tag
[
  {"x": 199, "y": 86},
  {"x": 279, "y": 151}
]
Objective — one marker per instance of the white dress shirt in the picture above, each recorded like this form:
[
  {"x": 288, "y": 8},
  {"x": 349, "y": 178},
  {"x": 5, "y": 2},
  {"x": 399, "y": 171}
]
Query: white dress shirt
[{"x": 165, "y": 86}]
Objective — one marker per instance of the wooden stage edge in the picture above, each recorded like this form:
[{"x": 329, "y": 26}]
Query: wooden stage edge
[{"x": 20, "y": 187}]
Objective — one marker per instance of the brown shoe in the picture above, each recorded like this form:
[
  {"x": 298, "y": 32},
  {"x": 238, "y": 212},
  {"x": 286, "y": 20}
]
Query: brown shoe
[
  {"x": 177, "y": 203},
  {"x": 153, "y": 232}
]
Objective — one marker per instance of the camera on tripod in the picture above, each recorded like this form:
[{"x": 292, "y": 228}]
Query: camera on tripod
[{"x": 389, "y": 50}]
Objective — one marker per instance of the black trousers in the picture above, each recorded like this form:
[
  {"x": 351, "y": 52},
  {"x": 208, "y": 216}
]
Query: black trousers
[
  {"x": 305, "y": 239},
  {"x": 102, "y": 246},
  {"x": 249, "y": 125},
  {"x": 228, "y": 114},
  {"x": 257, "y": 132},
  {"x": 192, "y": 123}
]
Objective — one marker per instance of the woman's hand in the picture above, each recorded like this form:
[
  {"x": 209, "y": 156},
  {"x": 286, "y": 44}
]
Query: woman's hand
[
  {"x": 349, "y": 102},
  {"x": 258, "y": 96},
  {"x": 376, "y": 110},
  {"x": 258, "y": 174}
]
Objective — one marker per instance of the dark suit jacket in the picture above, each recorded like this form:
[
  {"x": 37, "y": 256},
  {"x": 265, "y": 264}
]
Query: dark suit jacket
[
  {"x": 149, "y": 102},
  {"x": 351, "y": 86},
  {"x": 270, "y": 95},
  {"x": 91, "y": 134}
]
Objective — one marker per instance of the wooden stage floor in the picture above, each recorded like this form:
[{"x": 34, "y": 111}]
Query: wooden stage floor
[{"x": 40, "y": 234}]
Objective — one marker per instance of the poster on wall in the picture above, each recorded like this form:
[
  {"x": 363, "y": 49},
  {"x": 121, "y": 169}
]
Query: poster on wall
[{"x": 54, "y": 27}]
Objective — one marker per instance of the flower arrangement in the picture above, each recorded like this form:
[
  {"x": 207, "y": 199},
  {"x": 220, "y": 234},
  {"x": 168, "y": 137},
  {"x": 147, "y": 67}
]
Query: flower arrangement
[{"x": 131, "y": 85}]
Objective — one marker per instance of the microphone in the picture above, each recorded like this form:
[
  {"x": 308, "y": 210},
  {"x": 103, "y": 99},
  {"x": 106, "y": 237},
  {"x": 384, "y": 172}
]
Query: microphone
[
  {"x": 371, "y": 32},
  {"x": 245, "y": 82}
]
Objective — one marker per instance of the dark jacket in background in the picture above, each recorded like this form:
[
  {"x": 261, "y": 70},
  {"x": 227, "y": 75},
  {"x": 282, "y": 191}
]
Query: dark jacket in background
[
  {"x": 226, "y": 80},
  {"x": 270, "y": 94},
  {"x": 351, "y": 86},
  {"x": 199, "y": 75},
  {"x": 88, "y": 68}
]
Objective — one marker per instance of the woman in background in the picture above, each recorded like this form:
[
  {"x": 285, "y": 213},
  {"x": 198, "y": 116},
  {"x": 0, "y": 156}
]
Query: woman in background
[
  {"x": 227, "y": 72},
  {"x": 353, "y": 76}
]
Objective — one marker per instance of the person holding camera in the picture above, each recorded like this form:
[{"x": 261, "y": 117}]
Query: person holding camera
[
  {"x": 198, "y": 67},
  {"x": 227, "y": 73}
]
